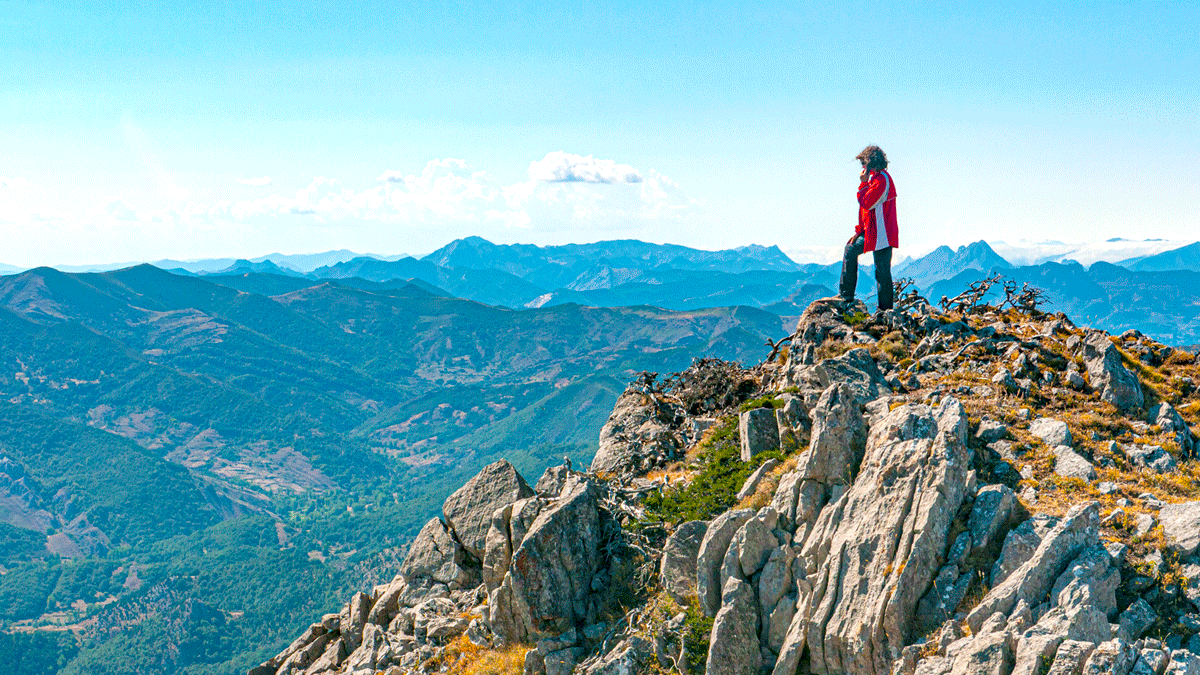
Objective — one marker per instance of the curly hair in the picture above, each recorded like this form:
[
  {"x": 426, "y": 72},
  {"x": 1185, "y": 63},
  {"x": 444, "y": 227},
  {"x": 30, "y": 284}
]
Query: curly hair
[{"x": 873, "y": 158}]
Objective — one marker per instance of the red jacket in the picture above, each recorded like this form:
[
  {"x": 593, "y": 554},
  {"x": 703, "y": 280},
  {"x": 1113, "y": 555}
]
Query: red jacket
[{"x": 876, "y": 202}]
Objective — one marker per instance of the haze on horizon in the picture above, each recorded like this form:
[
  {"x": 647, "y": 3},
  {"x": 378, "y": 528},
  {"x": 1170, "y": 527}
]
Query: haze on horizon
[{"x": 189, "y": 131}]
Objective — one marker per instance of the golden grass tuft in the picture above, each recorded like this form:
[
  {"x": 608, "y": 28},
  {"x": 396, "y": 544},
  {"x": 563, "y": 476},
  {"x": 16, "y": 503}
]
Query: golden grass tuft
[{"x": 466, "y": 658}]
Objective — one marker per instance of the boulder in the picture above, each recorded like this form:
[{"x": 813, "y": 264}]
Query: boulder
[
  {"x": 1005, "y": 380},
  {"x": 678, "y": 567},
  {"x": 553, "y": 479},
  {"x": 990, "y": 431},
  {"x": 1114, "y": 657},
  {"x": 987, "y": 653},
  {"x": 1070, "y": 464},
  {"x": 468, "y": 512},
  {"x": 497, "y": 550},
  {"x": 1070, "y": 657},
  {"x": 1183, "y": 662},
  {"x": 758, "y": 431},
  {"x": 1020, "y": 544},
  {"x": 1181, "y": 525},
  {"x": 839, "y": 437},
  {"x": 1052, "y": 432},
  {"x": 1108, "y": 373},
  {"x": 994, "y": 508},
  {"x": 776, "y": 578},
  {"x": 546, "y": 588},
  {"x": 1135, "y": 620},
  {"x": 733, "y": 647},
  {"x": 1095, "y": 568},
  {"x": 1168, "y": 419},
  {"x": 942, "y": 599},
  {"x": 757, "y": 541},
  {"x": 873, "y": 552},
  {"x": 712, "y": 553},
  {"x": 437, "y": 556},
  {"x": 1152, "y": 457},
  {"x": 1033, "y": 580},
  {"x": 353, "y": 619},
  {"x": 641, "y": 427}
]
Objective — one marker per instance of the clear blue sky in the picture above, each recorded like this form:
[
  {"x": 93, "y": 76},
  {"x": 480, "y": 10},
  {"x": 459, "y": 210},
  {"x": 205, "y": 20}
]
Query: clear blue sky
[{"x": 136, "y": 131}]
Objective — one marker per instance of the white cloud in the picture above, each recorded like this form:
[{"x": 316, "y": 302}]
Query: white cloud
[
  {"x": 14, "y": 182},
  {"x": 563, "y": 167},
  {"x": 256, "y": 182}
]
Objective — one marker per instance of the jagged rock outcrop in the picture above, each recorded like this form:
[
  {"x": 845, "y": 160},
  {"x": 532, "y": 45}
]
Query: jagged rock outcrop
[
  {"x": 894, "y": 542},
  {"x": 643, "y": 431},
  {"x": 546, "y": 588},
  {"x": 873, "y": 552},
  {"x": 468, "y": 512},
  {"x": 1108, "y": 373}
]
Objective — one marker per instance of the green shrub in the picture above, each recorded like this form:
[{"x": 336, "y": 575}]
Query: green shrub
[{"x": 714, "y": 487}]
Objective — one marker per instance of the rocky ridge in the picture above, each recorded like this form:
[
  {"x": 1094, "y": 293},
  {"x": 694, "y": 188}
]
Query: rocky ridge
[{"x": 913, "y": 492}]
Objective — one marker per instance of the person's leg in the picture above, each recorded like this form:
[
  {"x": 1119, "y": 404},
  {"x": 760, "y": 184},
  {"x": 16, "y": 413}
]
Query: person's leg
[
  {"x": 883, "y": 277},
  {"x": 850, "y": 268}
]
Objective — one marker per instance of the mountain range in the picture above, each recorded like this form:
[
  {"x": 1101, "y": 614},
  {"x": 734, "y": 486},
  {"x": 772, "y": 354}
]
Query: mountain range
[
  {"x": 1149, "y": 293},
  {"x": 181, "y": 456}
]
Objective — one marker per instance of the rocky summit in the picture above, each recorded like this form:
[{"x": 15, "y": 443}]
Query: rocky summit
[{"x": 915, "y": 492}]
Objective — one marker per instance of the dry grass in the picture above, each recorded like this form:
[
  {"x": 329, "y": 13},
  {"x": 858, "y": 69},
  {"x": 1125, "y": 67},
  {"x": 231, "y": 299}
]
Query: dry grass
[
  {"x": 463, "y": 657},
  {"x": 765, "y": 491}
]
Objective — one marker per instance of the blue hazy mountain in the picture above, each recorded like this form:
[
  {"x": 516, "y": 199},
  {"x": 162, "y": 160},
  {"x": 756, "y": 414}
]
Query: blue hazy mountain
[
  {"x": 945, "y": 263},
  {"x": 1182, "y": 258}
]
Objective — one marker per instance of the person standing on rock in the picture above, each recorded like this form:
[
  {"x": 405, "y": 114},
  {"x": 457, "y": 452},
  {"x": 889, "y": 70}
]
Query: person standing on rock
[{"x": 876, "y": 231}]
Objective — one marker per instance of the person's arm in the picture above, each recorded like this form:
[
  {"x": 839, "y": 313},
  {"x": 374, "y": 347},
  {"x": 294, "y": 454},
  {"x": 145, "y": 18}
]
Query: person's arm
[{"x": 870, "y": 192}]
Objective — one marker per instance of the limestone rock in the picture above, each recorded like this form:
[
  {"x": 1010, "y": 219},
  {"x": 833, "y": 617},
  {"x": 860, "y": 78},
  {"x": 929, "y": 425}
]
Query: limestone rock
[
  {"x": 712, "y": 553},
  {"x": 940, "y": 602},
  {"x": 1070, "y": 657},
  {"x": 1183, "y": 662},
  {"x": 990, "y": 431},
  {"x": 873, "y": 552},
  {"x": 640, "y": 427},
  {"x": 1020, "y": 544},
  {"x": 993, "y": 510},
  {"x": 1114, "y": 657},
  {"x": 1005, "y": 380},
  {"x": 1095, "y": 567},
  {"x": 1052, "y": 432},
  {"x": 468, "y": 512},
  {"x": 1033, "y": 580},
  {"x": 1152, "y": 457},
  {"x": 756, "y": 542},
  {"x": 752, "y": 481},
  {"x": 1109, "y": 375},
  {"x": 987, "y": 653},
  {"x": 839, "y": 437},
  {"x": 1168, "y": 419},
  {"x": 353, "y": 619},
  {"x": 436, "y": 555},
  {"x": 1070, "y": 464},
  {"x": 1136, "y": 619},
  {"x": 733, "y": 648},
  {"x": 678, "y": 567},
  {"x": 497, "y": 549},
  {"x": 775, "y": 579},
  {"x": 552, "y": 481},
  {"x": 546, "y": 587},
  {"x": 758, "y": 431},
  {"x": 1181, "y": 525}
]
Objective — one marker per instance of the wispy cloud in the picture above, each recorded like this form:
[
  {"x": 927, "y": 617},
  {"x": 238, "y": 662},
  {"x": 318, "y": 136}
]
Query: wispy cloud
[
  {"x": 256, "y": 182},
  {"x": 563, "y": 167},
  {"x": 14, "y": 182}
]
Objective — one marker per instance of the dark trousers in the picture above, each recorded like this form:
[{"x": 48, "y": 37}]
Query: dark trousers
[{"x": 883, "y": 272}]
